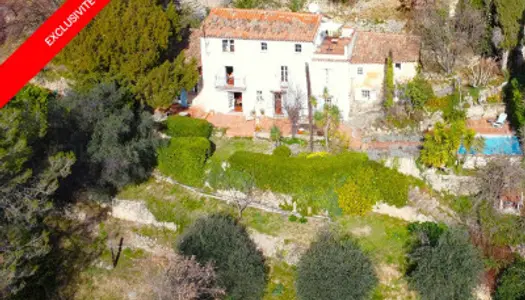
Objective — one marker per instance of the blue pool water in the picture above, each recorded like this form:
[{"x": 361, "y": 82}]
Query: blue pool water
[{"x": 507, "y": 145}]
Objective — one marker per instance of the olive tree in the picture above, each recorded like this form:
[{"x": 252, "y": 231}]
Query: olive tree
[
  {"x": 239, "y": 266},
  {"x": 335, "y": 268},
  {"x": 450, "y": 269}
]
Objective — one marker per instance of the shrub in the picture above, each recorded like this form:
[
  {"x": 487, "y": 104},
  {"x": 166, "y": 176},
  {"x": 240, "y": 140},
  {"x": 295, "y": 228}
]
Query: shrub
[
  {"x": 179, "y": 126},
  {"x": 292, "y": 218},
  {"x": 501, "y": 229},
  {"x": 392, "y": 185},
  {"x": 450, "y": 269},
  {"x": 419, "y": 91},
  {"x": 335, "y": 268},
  {"x": 510, "y": 284},
  {"x": 275, "y": 135},
  {"x": 441, "y": 146},
  {"x": 282, "y": 151},
  {"x": 430, "y": 232},
  {"x": 184, "y": 159},
  {"x": 239, "y": 265},
  {"x": 359, "y": 194},
  {"x": 303, "y": 220},
  {"x": 314, "y": 180},
  {"x": 435, "y": 104}
]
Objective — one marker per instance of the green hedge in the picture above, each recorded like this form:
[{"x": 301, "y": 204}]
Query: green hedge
[
  {"x": 316, "y": 179},
  {"x": 178, "y": 126},
  {"x": 282, "y": 151},
  {"x": 184, "y": 159}
]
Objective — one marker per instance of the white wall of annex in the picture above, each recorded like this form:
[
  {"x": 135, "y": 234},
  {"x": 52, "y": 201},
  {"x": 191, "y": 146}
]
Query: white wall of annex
[{"x": 337, "y": 82}]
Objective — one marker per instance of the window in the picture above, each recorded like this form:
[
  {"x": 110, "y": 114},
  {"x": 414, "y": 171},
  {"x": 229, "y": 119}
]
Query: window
[
  {"x": 264, "y": 46},
  {"x": 398, "y": 66},
  {"x": 360, "y": 71},
  {"x": 284, "y": 73},
  {"x": 298, "y": 48},
  {"x": 365, "y": 94},
  {"x": 228, "y": 46},
  {"x": 260, "y": 96}
]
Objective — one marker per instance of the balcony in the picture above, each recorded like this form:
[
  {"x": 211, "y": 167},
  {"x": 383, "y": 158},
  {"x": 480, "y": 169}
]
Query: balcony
[
  {"x": 284, "y": 85},
  {"x": 234, "y": 83}
]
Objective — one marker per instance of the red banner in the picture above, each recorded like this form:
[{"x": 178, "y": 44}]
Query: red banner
[{"x": 44, "y": 44}]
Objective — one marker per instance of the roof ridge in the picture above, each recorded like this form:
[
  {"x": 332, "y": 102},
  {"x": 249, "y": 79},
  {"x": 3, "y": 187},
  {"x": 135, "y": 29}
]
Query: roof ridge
[
  {"x": 389, "y": 33},
  {"x": 258, "y": 10}
]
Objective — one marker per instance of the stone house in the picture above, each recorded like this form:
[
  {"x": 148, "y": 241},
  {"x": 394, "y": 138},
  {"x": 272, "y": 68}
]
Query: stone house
[{"x": 255, "y": 60}]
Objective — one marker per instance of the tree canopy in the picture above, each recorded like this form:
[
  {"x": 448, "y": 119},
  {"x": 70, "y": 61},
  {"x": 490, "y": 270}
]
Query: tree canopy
[
  {"x": 111, "y": 133},
  {"x": 450, "y": 269},
  {"x": 510, "y": 284},
  {"x": 510, "y": 18},
  {"x": 442, "y": 144},
  {"x": 335, "y": 268},
  {"x": 240, "y": 267},
  {"x": 29, "y": 176},
  {"x": 137, "y": 44}
]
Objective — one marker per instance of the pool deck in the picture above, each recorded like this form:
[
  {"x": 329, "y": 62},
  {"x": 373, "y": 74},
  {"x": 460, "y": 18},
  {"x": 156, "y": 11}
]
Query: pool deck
[{"x": 484, "y": 127}]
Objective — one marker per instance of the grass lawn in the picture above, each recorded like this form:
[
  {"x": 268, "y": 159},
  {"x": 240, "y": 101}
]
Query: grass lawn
[{"x": 225, "y": 147}]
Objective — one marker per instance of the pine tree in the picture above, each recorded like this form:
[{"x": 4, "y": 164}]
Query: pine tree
[{"x": 133, "y": 42}]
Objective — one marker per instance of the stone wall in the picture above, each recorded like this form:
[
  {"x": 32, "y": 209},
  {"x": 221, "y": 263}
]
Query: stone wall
[
  {"x": 486, "y": 111},
  {"x": 136, "y": 211}
]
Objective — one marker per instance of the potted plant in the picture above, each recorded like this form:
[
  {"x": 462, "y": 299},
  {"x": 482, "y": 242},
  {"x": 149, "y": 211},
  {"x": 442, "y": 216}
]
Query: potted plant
[{"x": 262, "y": 111}]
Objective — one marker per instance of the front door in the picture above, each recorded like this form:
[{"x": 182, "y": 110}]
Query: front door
[
  {"x": 238, "y": 102},
  {"x": 278, "y": 103}
]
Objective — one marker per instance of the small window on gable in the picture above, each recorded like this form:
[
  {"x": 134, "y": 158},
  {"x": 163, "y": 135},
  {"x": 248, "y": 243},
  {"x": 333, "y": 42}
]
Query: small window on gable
[
  {"x": 365, "y": 94},
  {"x": 360, "y": 71},
  {"x": 298, "y": 48},
  {"x": 264, "y": 46},
  {"x": 398, "y": 66},
  {"x": 228, "y": 46}
]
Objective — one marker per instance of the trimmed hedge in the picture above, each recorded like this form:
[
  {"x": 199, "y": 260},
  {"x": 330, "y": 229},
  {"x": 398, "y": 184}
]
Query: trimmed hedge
[
  {"x": 316, "y": 179},
  {"x": 282, "y": 151},
  {"x": 179, "y": 126},
  {"x": 184, "y": 159}
]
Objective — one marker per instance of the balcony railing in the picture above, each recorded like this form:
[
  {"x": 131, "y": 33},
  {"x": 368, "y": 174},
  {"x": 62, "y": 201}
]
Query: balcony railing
[
  {"x": 230, "y": 83},
  {"x": 284, "y": 85}
]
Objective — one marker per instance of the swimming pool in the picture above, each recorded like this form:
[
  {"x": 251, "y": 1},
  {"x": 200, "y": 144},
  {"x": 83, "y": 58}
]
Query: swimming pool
[{"x": 506, "y": 145}]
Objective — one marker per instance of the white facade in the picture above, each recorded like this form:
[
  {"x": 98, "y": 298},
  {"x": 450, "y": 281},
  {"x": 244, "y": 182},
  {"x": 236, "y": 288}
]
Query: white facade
[
  {"x": 258, "y": 74},
  {"x": 262, "y": 72}
]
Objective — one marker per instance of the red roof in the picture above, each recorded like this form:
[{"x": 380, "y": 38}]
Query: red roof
[
  {"x": 261, "y": 25},
  {"x": 511, "y": 196},
  {"x": 373, "y": 47}
]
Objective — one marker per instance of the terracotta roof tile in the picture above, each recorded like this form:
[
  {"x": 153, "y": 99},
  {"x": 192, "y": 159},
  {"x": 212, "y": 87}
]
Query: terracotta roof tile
[
  {"x": 261, "y": 25},
  {"x": 373, "y": 47},
  {"x": 332, "y": 45}
]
